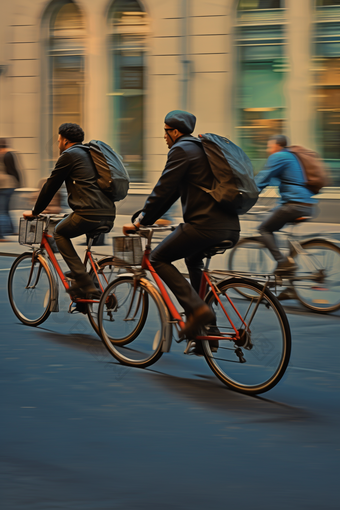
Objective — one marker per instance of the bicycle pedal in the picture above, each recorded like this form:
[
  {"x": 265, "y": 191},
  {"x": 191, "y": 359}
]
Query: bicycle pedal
[
  {"x": 190, "y": 344},
  {"x": 77, "y": 308},
  {"x": 192, "y": 350}
]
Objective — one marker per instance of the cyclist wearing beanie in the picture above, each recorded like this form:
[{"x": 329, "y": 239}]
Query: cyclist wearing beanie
[{"x": 205, "y": 224}]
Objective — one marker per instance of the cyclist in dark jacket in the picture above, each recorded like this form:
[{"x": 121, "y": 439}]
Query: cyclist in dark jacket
[
  {"x": 92, "y": 208},
  {"x": 205, "y": 224}
]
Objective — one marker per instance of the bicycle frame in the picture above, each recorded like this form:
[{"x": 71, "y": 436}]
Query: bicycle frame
[
  {"x": 205, "y": 283},
  {"x": 88, "y": 257}
]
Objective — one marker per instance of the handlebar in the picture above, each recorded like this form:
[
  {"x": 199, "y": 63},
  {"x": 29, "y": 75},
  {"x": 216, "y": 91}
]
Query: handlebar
[
  {"x": 148, "y": 230},
  {"x": 41, "y": 216}
]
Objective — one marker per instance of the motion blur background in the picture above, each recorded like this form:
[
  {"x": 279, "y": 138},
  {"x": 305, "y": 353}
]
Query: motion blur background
[{"x": 247, "y": 69}]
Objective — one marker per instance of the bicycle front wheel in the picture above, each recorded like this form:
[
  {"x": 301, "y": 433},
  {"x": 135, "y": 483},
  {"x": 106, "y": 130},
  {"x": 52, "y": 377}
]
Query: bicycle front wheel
[
  {"x": 256, "y": 361},
  {"x": 30, "y": 289},
  {"x": 129, "y": 311},
  {"x": 251, "y": 256},
  {"x": 321, "y": 261}
]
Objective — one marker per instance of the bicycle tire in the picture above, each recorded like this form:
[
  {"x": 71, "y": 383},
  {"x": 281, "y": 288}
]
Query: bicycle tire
[
  {"x": 252, "y": 256},
  {"x": 124, "y": 302},
  {"x": 31, "y": 305},
  {"x": 322, "y": 296},
  {"x": 266, "y": 348},
  {"x": 106, "y": 278}
]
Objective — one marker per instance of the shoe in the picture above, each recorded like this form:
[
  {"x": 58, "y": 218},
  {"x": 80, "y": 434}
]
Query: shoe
[
  {"x": 286, "y": 294},
  {"x": 70, "y": 275},
  {"x": 212, "y": 330},
  {"x": 194, "y": 348},
  {"x": 79, "y": 307},
  {"x": 286, "y": 266},
  {"x": 84, "y": 288},
  {"x": 199, "y": 317}
]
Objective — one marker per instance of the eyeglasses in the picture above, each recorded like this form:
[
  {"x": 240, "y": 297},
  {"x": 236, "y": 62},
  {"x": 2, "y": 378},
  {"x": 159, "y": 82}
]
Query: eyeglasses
[{"x": 169, "y": 129}]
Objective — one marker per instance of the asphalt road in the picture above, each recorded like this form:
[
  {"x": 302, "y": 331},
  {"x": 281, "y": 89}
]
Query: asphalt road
[{"x": 80, "y": 431}]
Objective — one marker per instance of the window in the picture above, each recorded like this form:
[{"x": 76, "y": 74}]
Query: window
[
  {"x": 128, "y": 28},
  {"x": 65, "y": 72},
  {"x": 326, "y": 3},
  {"x": 247, "y": 5},
  {"x": 261, "y": 76},
  {"x": 327, "y": 84}
]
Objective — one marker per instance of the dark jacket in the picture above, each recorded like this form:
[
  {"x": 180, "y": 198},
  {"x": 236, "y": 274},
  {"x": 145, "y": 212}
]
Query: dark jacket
[
  {"x": 76, "y": 168},
  {"x": 187, "y": 166},
  {"x": 11, "y": 167}
]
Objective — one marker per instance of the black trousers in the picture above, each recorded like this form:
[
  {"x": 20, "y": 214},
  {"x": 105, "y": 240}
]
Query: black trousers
[
  {"x": 75, "y": 225},
  {"x": 188, "y": 242},
  {"x": 281, "y": 215}
]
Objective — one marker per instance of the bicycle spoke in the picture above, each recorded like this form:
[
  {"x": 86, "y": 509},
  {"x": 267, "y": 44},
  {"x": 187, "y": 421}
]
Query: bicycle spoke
[
  {"x": 30, "y": 290},
  {"x": 138, "y": 317},
  {"x": 255, "y": 360},
  {"x": 317, "y": 280}
]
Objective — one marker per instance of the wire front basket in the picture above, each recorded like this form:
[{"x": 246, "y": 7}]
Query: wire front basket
[
  {"x": 128, "y": 249},
  {"x": 31, "y": 231}
]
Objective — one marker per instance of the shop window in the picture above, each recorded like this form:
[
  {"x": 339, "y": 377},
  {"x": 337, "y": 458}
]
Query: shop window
[
  {"x": 327, "y": 3},
  {"x": 65, "y": 71},
  {"x": 327, "y": 84},
  {"x": 247, "y": 5},
  {"x": 261, "y": 76},
  {"x": 128, "y": 27}
]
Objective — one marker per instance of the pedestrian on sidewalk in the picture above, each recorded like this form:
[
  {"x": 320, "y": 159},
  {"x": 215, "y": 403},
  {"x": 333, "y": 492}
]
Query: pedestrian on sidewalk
[{"x": 9, "y": 181}]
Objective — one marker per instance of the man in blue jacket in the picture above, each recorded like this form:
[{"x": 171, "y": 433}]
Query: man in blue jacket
[{"x": 296, "y": 200}]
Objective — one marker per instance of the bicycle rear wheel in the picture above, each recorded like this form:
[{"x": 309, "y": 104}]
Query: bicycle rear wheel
[
  {"x": 255, "y": 363},
  {"x": 319, "y": 294},
  {"x": 131, "y": 310},
  {"x": 251, "y": 256},
  {"x": 107, "y": 272},
  {"x": 30, "y": 295}
]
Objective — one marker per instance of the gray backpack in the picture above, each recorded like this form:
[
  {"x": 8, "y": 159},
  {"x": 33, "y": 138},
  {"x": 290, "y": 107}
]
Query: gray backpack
[
  {"x": 234, "y": 187},
  {"x": 113, "y": 178}
]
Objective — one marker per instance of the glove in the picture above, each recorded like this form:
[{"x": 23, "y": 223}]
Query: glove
[{"x": 130, "y": 228}]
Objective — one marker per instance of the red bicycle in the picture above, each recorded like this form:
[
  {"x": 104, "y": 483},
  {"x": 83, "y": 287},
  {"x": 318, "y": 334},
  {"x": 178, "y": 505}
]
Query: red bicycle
[
  {"x": 33, "y": 288},
  {"x": 136, "y": 318}
]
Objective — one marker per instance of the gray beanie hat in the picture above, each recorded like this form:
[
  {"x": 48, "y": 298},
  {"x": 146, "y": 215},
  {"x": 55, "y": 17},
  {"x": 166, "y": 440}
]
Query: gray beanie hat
[{"x": 181, "y": 120}]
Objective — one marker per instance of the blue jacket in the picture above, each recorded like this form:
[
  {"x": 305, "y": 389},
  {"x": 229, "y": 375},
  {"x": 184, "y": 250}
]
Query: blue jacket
[{"x": 284, "y": 170}]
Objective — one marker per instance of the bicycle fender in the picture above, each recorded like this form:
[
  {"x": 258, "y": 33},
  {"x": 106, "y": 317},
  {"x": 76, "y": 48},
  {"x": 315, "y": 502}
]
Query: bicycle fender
[
  {"x": 165, "y": 316},
  {"x": 54, "y": 307},
  {"x": 329, "y": 240}
]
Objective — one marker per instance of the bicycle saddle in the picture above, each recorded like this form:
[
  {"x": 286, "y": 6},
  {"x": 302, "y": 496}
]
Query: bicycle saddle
[
  {"x": 219, "y": 248},
  {"x": 301, "y": 219},
  {"x": 96, "y": 232}
]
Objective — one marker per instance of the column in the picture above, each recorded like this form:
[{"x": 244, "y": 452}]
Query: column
[{"x": 299, "y": 34}]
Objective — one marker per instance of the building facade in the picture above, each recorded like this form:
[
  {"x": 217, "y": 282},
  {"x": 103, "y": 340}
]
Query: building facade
[{"x": 247, "y": 69}]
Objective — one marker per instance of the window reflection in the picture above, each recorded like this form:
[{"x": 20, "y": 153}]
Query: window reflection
[
  {"x": 262, "y": 68},
  {"x": 324, "y": 3},
  {"x": 247, "y": 5},
  {"x": 327, "y": 85},
  {"x": 66, "y": 65},
  {"x": 128, "y": 28}
]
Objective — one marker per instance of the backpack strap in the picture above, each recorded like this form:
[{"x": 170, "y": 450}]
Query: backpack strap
[
  {"x": 189, "y": 138},
  {"x": 304, "y": 185}
]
